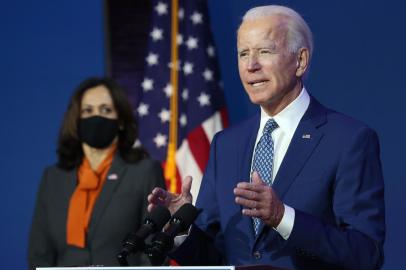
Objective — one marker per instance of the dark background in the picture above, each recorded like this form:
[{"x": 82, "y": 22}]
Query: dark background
[{"x": 47, "y": 47}]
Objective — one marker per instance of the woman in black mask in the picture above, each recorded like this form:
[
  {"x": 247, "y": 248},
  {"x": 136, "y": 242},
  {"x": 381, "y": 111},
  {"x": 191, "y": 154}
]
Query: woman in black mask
[{"x": 96, "y": 194}]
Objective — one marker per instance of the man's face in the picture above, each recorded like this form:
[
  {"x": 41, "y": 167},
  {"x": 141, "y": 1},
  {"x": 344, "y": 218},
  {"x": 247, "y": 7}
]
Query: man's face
[{"x": 267, "y": 69}]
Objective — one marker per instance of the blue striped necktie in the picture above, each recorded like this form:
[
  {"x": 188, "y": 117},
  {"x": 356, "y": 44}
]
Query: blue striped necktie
[{"x": 263, "y": 160}]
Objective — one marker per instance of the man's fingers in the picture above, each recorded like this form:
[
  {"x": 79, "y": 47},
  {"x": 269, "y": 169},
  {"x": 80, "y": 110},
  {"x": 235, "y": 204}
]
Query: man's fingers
[
  {"x": 186, "y": 187},
  {"x": 246, "y": 193},
  {"x": 187, "y": 184},
  {"x": 159, "y": 192},
  {"x": 150, "y": 207},
  {"x": 159, "y": 196},
  {"x": 151, "y": 198},
  {"x": 246, "y": 202},
  {"x": 253, "y": 187},
  {"x": 251, "y": 212},
  {"x": 256, "y": 179}
]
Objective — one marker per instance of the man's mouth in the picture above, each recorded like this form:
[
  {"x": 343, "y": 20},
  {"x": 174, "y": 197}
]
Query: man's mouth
[{"x": 257, "y": 83}]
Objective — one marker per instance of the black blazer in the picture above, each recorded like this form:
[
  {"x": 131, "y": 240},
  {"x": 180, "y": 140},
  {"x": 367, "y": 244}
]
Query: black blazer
[{"x": 120, "y": 209}]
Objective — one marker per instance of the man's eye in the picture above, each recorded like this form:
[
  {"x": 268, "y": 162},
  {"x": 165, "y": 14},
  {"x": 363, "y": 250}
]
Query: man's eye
[
  {"x": 265, "y": 52},
  {"x": 243, "y": 54}
]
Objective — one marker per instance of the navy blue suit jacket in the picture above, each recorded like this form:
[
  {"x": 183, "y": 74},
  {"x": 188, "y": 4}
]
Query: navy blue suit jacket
[{"x": 331, "y": 175}]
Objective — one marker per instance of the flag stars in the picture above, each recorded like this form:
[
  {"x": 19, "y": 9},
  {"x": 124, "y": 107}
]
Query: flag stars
[
  {"x": 179, "y": 39},
  {"x": 181, "y": 14},
  {"x": 210, "y": 51},
  {"x": 160, "y": 140},
  {"x": 208, "y": 74},
  {"x": 143, "y": 109},
  {"x": 191, "y": 43},
  {"x": 147, "y": 84},
  {"x": 165, "y": 115},
  {"x": 188, "y": 68},
  {"x": 183, "y": 120},
  {"x": 152, "y": 59},
  {"x": 203, "y": 99},
  {"x": 185, "y": 94},
  {"x": 161, "y": 8},
  {"x": 157, "y": 34},
  {"x": 196, "y": 18},
  {"x": 168, "y": 90}
]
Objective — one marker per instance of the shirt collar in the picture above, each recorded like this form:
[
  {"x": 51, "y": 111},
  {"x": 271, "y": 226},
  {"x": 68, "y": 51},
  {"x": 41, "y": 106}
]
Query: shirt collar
[{"x": 288, "y": 119}]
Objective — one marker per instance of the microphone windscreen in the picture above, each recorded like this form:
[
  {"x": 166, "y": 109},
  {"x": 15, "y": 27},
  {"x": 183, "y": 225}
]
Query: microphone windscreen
[
  {"x": 187, "y": 213},
  {"x": 159, "y": 216}
]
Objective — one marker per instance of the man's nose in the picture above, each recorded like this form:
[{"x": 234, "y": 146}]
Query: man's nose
[{"x": 253, "y": 63}]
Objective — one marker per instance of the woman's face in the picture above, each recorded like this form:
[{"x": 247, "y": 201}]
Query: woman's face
[{"x": 97, "y": 101}]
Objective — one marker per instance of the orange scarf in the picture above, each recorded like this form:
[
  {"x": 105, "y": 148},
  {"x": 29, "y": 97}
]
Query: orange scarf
[{"x": 84, "y": 197}]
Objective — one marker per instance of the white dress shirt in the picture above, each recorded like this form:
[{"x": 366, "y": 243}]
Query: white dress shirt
[{"x": 288, "y": 119}]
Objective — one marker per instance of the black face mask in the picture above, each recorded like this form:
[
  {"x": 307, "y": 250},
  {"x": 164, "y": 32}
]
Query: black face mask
[{"x": 97, "y": 131}]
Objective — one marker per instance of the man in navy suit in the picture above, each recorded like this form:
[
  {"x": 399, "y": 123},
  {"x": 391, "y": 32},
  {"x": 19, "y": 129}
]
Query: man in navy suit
[{"x": 312, "y": 197}]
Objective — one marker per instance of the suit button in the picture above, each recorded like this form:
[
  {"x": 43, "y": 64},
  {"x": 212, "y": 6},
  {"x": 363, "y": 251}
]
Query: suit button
[{"x": 257, "y": 255}]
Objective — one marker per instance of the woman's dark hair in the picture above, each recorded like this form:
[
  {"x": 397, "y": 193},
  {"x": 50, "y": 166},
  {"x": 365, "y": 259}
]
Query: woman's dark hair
[{"x": 70, "y": 153}]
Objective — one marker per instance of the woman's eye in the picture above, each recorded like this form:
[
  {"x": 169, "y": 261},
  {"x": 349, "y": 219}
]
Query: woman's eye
[
  {"x": 106, "y": 110},
  {"x": 86, "y": 111}
]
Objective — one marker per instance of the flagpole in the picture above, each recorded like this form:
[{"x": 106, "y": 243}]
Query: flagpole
[{"x": 170, "y": 168}]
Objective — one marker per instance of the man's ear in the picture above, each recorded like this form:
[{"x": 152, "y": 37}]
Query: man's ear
[{"x": 302, "y": 62}]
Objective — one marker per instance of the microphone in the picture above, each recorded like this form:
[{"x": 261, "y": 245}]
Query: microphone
[
  {"x": 154, "y": 221},
  {"x": 163, "y": 242}
]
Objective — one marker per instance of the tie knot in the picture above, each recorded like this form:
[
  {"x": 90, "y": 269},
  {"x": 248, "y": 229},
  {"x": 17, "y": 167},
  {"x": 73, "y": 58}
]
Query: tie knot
[{"x": 270, "y": 126}]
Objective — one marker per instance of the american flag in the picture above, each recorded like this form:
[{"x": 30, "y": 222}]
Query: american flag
[{"x": 197, "y": 106}]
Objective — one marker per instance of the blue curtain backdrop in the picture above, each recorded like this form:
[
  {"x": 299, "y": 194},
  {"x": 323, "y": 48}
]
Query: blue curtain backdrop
[{"x": 47, "y": 47}]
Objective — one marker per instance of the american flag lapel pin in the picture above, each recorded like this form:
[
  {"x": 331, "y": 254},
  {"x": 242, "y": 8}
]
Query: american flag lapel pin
[
  {"x": 112, "y": 177},
  {"x": 306, "y": 136}
]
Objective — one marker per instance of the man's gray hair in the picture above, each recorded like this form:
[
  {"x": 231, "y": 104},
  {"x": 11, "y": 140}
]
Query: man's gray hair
[{"x": 299, "y": 33}]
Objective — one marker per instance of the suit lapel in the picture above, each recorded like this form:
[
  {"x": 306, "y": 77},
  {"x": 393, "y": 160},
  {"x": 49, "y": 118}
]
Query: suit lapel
[
  {"x": 114, "y": 177},
  {"x": 247, "y": 149},
  {"x": 304, "y": 141},
  {"x": 245, "y": 152}
]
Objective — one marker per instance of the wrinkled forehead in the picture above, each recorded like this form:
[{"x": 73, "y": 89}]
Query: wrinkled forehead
[{"x": 270, "y": 28}]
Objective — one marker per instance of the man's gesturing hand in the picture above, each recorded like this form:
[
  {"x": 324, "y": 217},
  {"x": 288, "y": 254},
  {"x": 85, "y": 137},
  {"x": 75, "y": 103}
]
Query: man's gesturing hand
[
  {"x": 259, "y": 200},
  {"x": 172, "y": 201}
]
